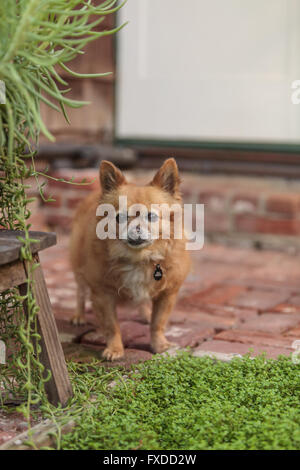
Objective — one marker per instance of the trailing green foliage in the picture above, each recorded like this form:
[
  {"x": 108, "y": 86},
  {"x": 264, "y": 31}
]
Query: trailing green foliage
[
  {"x": 37, "y": 37},
  {"x": 185, "y": 402}
]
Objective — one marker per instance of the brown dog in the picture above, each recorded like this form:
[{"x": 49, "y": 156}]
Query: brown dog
[{"x": 135, "y": 268}]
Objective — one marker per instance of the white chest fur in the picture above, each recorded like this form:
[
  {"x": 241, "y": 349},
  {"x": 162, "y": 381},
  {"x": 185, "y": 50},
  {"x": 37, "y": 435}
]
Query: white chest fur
[
  {"x": 135, "y": 282},
  {"x": 135, "y": 278}
]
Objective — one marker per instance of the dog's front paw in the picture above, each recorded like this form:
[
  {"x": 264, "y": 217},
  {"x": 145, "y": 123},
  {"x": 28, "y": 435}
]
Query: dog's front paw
[
  {"x": 77, "y": 320},
  {"x": 113, "y": 353},
  {"x": 161, "y": 344}
]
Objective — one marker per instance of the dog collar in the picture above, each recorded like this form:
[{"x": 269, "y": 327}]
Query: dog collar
[{"x": 158, "y": 274}]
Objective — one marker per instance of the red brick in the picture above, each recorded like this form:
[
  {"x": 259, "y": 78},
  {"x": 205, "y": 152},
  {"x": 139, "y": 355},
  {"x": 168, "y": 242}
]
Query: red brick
[
  {"x": 131, "y": 356},
  {"x": 255, "y": 337},
  {"x": 38, "y": 221},
  {"x": 295, "y": 300},
  {"x": 93, "y": 337},
  {"x": 221, "y": 294},
  {"x": 213, "y": 200},
  {"x": 216, "y": 222},
  {"x": 230, "y": 311},
  {"x": 286, "y": 308},
  {"x": 246, "y": 223},
  {"x": 185, "y": 335},
  {"x": 259, "y": 299},
  {"x": 37, "y": 218},
  {"x": 293, "y": 332},
  {"x": 65, "y": 326},
  {"x": 272, "y": 322},
  {"x": 287, "y": 204},
  {"x": 22, "y": 426},
  {"x": 63, "y": 306},
  {"x": 141, "y": 343},
  {"x": 11, "y": 421},
  {"x": 244, "y": 203},
  {"x": 73, "y": 202},
  {"x": 57, "y": 220},
  {"x": 132, "y": 333},
  {"x": 85, "y": 354},
  {"x": 228, "y": 347},
  {"x": 259, "y": 224},
  {"x": 127, "y": 313},
  {"x": 131, "y": 330},
  {"x": 273, "y": 274},
  {"x": 188, "y": 288},
  {"x": 200, "y": 317},
  {"x": 188, "y": 194},
  {"x": 6, "y": 436}
]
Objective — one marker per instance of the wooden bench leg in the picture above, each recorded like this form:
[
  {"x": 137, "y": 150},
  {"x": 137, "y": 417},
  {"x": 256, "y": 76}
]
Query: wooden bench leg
[{"x": 58, "y": 388}]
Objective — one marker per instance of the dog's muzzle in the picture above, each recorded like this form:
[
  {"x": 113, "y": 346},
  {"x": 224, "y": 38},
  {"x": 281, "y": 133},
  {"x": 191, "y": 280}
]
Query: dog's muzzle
[
  {"x": 137, "y": 237},
  {"x": 137, "y": 241}
]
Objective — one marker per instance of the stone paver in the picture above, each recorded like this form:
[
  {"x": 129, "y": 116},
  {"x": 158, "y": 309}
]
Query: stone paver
[
  {"x": 272, "y": 322},
  {"x": 229, "y": 347},
  {"x": 259, "y": 299},
  {"x": 219, "y": 295},
  {"x": 188, "y": 335},
  {"x": 194, "y": 316},
  {"x": 293, "y": 332},
  {"x": 11, "y": 424},
  {"x": 255, "y": 337}
]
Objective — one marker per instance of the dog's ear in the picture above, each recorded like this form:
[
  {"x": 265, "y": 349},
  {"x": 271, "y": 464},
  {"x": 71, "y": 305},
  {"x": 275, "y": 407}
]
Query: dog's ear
[
  {"x": 110, "y": 176},
  {"x": 167, "y": 177}
]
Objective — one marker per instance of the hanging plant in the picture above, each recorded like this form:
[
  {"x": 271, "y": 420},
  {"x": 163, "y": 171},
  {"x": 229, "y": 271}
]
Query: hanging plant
[{"x": 38, "y": 38}]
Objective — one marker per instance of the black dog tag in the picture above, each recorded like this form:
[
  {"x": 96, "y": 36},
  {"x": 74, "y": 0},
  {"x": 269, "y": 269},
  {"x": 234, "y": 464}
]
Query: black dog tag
[{"x": 158, "y": 274}]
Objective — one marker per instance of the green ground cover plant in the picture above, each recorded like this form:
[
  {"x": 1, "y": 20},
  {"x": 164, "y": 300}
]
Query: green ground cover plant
[{"x": 185, "y": 402}]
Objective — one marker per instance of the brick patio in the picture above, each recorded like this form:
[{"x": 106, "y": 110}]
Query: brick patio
[{"x": 233, "y": 300}]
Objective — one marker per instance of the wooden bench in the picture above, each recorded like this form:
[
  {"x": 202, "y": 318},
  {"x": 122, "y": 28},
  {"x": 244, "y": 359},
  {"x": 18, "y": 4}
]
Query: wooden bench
[{"x": 13, "y": 273}]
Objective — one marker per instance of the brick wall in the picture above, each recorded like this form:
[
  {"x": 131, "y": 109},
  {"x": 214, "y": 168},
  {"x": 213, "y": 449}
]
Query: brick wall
[
  {"x": 235, "y": 207},
  {"x": 92, "y": 123}
]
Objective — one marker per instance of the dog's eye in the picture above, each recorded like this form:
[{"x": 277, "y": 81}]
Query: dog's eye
[
  {"x": 121, "y": 218},
  {"x": 152, "y": 217}
]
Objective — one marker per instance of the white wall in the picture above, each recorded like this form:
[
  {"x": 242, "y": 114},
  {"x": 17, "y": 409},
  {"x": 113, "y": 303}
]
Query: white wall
[{"x": 218, "y": 70}]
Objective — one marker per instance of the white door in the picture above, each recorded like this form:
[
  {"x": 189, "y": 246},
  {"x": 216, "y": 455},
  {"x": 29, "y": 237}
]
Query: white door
[{"x": 208, "y": 70}]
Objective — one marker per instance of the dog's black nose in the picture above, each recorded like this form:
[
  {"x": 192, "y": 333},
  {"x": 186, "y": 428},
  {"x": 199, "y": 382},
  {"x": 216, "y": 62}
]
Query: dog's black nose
[{"x": 136, "y": 241}]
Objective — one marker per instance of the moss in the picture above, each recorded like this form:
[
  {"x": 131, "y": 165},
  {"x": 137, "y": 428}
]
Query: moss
[{"x": 185, "y": 402}]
